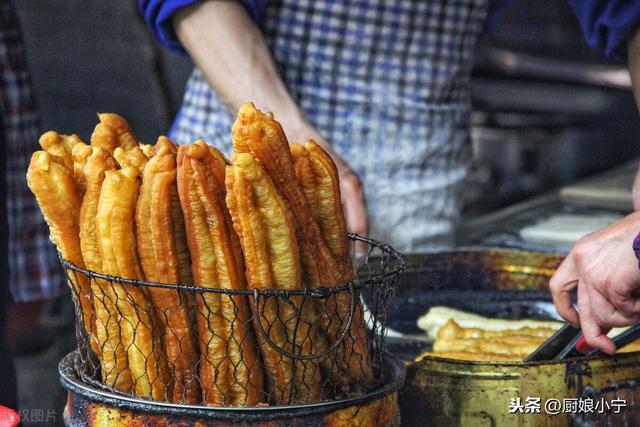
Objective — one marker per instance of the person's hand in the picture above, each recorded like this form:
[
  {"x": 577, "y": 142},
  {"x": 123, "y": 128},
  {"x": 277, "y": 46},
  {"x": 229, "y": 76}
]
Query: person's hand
[
  {"x": 603, "y": 266},
  {"x": 353, "y": 200}
]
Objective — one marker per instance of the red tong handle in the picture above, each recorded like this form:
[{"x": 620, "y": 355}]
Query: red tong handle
[{"x": 582, "y": 347}]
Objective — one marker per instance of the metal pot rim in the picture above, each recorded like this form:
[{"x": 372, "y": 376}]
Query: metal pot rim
[
  {"x": 518, "y": 364},
  {"x": 395, "y": 369}
]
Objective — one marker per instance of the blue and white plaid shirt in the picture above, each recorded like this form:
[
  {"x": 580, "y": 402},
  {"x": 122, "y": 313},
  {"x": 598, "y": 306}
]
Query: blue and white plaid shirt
[{"x": 387, "y": 83}]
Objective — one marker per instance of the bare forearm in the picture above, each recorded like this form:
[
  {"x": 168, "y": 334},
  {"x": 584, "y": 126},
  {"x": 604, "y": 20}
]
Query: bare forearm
[
  {"x": 633, "y": 54},
  {"x": 231, "y": 52}
]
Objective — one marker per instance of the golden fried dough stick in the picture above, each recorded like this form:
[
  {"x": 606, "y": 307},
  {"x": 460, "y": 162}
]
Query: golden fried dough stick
[
  {"x": 54, "y": 143},
  {"x": 131, "y": 157},
  {"x": 261, "y": 135},
  {"x": 71, "y": 141},
  {"x": 304, "y": 172},
  {"x": 54, "y": 187},
  {"x": 267, "y": 235},
  {"x": 319, "y": 178},
  {"x": 126, "y": 138},
  {"x": 147, "y": 149},
  {"x": 519, "y": 346},
  {"x": 166, "y": 143},
  {"x": 230, "y": 372},
  {"x": 165, "y": 259},
  {"x": 218, "y": 170},
  {"x": 112, "y": 132},
  {"x": 104, "y": 137},
  {"x": 116, "y": 235},
  {"x": 452, "y": 330},
  {"x": 182, "y": 249},
  {"x": 80, "y": 153},
  {"x": 113, "y": 356},
  {"x": 328, "y": 207},
  {"x": 518, "y": 343}
]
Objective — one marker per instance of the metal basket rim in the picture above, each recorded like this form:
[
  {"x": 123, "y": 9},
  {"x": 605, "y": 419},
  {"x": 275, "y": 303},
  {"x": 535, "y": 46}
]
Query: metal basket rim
[
  {"x": 395, "y": 377},
  {"x": 320, "y": 292}
]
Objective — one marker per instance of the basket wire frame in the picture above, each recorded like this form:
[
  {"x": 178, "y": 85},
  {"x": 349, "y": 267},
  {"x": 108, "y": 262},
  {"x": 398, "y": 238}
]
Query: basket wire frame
[{"x": 241, "y": 347}]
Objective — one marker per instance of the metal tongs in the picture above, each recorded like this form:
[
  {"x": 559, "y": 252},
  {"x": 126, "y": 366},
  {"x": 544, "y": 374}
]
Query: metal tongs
[{"x": 568, "y": 342}]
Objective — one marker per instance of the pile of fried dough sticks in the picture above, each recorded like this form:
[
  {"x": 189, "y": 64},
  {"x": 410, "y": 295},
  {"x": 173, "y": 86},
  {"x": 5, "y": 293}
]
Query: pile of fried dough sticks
[{"x": 269, "y": 219}]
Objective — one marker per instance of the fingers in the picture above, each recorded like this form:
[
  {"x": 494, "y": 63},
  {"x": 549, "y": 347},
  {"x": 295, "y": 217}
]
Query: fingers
[
  {"x": 355, "y": 205},
  {"x": 355, "y": 209},
  {"x": 561, "y": 285},
  {"x": 593, "y": 333}
]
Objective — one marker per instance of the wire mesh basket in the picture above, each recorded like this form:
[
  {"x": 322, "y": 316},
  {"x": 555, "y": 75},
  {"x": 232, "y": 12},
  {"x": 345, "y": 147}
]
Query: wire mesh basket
[{"x": 208, "y": 346}]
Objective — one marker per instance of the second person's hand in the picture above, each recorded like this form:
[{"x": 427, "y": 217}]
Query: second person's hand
[{"x": 603, "y": 267}]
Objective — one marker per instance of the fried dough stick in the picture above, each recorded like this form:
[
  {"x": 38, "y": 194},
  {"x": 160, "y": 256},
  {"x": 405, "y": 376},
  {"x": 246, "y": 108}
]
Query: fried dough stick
[
  {"x": 113, "y": 356},
  {"x": 510, "y": 345},
  {"x": 263, "y": 137},
  {"x": 55, "y": 190},
  {"x": 112, "y": 132},
  {"x": 520, "y": 342},
  {"x": 162, "y": 143},
  {"x": 230, "y": 372},
  {"x": 319, "y": 178},
  {"x": 267, "y": 234},
  {"x": 116, "y": 235},
  {"x": 452, "y": 331},
  {"x": 165, "y": 258},
  {"x": 63, "y": 146},
  {"x": 131, "y": 157},
  {"x": 147, "y": 149},
  {"x": 60, "y": 146},
  {"x": 80, "y": 153}
]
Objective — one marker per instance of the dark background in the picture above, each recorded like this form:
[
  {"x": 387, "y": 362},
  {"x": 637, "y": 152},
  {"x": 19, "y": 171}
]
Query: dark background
[{"x": 89, "y": 56}]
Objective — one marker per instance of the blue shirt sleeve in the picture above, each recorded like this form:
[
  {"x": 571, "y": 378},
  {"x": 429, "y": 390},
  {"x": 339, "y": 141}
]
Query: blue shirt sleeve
[
  {"x": 607, "y": 24},
  {"x": 496, "y": 8},
  {"x": 159, "y": 17}
]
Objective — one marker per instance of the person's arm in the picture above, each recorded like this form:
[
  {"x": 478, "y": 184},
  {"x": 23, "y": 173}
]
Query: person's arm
[
  {"x": 603, "y": 266},
  {"x": 633, "y": 54},
  {"x": 230, "y": 51},
  {"x": 605, "y": 271}
]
